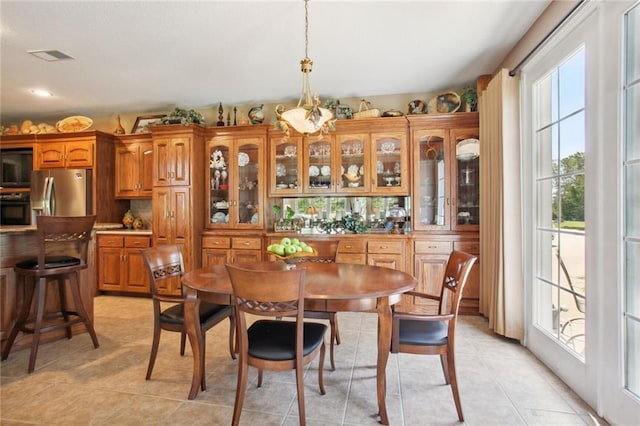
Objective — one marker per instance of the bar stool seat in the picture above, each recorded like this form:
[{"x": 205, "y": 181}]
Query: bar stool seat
[{"x": 56, "y": 236}]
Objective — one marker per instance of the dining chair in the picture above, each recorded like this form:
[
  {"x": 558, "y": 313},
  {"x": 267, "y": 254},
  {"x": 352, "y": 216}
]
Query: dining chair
[
  {"x": 63, "y": 243},
  {"x": 268, "y": 289},
  {"x": 164, "y": 262},
  {"x": 434, "y": 334}
]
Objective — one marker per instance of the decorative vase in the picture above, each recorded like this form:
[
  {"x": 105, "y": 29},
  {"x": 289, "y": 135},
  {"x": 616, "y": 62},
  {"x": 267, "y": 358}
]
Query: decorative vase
[
  {"x": 119, "y": 129},
  {"x": 127, "y": 219},
  {"x": 256, "y": 115}
]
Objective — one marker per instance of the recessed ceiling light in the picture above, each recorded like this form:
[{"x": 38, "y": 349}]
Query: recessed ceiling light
[
  {"x": 49, "y": 55},
  {"x": 42, "y": 92}
]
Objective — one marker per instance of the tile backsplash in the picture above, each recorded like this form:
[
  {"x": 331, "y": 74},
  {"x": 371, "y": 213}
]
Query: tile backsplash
[{"x": 142, "y": 209}]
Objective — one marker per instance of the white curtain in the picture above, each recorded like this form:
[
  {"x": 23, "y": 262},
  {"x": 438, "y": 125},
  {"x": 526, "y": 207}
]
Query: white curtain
[{"x": 501, "y": 278}]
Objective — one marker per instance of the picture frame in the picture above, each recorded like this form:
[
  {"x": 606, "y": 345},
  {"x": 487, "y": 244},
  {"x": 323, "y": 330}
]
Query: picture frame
[{"x": 143, "y": 121}]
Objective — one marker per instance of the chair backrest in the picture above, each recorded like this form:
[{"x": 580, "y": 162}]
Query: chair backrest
[
  {"x": 455, "y": 279},
  {"x": 268, "y": 289},
  {"x": 56, "y": 233},
  {"x": 163, "y": 262}
]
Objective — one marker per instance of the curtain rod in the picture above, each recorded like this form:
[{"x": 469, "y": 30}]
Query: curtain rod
[{"x": 541, "y": 42}]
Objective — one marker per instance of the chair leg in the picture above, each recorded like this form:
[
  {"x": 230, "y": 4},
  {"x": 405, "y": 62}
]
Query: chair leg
[
  {"x": 445, "y": 368},
  {"x": 334, "y": 317},
  {"x": 334, "y": 337},
  {"x": 232, "y": 337},
  {"x": 203, "y": 382},
  {"x": 454, "y": 383},
  {"x": 183, "y": 342},
  {"x": 41, "y": 297},
  {"x": 321, "y": 369},
  {"x": 259, "y": 377},
  {"x": 77, "y": 299},
  {"x": 241, "y": 389},
  {"x": 29, "y": 287},
  {"x": 300, "y": 386},
  {"x": 63, "y": 305},
  {"x": 154, "y": 349}
]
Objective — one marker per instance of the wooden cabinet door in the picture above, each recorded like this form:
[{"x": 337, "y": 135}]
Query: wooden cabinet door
[
  {"x": 429, "y": 271},
  {"x": 180, "y": 215},
  {"x": 136, "y": 277},
  {"x": 162, "y": 159},
  {"x": 392, "y": 261},
  {"x": 146, "y": 170},
  {"x": 239, "y": 256},
  {"x": 126, "y": 166},
  {"x": 390, "y": 153},
  {"x": 211, "y": 257},
  {"x": 110, "y": 263},
  {"x": 162, "y": 208},
  {"x": 180, "y": 160},
  {"x": 79, "y": 154},
  {"x": 50, "y": 155}
]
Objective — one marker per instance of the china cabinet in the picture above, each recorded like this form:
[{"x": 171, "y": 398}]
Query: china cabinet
[
  {"x": 362, "y": 157},
  {"x": 236, "y": 166},
  {"x": 446, "y": 192},
  {"x": 178, "y": 201},
  {"x": 133, "y": 167}
]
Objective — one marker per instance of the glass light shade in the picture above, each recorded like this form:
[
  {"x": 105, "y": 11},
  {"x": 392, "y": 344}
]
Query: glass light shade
[{"x": 297, "y": 118}]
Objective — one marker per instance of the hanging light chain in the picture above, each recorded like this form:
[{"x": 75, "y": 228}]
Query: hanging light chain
[{"x": 306, "y": 28}]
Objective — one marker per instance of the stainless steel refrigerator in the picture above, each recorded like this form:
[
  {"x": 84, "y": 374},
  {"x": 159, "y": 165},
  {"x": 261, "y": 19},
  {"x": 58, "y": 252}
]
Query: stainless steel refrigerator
[{"x": 61, "y": 192}]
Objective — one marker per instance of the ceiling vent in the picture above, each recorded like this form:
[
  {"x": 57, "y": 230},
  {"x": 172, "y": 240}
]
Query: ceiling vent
[{"x": 50, "y": 55}]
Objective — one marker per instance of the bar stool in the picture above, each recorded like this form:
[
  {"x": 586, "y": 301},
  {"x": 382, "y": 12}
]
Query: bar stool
[{"x": 56, "y": 236}]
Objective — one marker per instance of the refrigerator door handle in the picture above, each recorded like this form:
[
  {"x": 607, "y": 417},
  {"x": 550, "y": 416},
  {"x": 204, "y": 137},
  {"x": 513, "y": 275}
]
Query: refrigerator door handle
[{"x": 48, "y": 206}]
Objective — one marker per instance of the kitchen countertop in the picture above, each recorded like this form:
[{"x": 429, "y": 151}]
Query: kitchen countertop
[
  {"x": 99, "y": 227},
  {"x": 121, "y": 230}
]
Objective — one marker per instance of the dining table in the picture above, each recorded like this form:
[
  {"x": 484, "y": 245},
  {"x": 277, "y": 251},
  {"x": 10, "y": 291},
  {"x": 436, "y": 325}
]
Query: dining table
[{"x": 329, "y": 287}]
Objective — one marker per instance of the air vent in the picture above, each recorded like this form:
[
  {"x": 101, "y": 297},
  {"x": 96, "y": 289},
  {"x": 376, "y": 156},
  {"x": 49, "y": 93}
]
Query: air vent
[{"x": 50, "y": 55}]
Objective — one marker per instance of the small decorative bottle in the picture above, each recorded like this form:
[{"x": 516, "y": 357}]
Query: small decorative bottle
[{"x": 119, "y": 129}]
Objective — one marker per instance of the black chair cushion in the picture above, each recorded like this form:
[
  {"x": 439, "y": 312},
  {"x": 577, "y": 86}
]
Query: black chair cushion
[
  {"x": 49, "y": 262},
  {"x": 175, "y": 314},
  {"x": 424, "y": 333},
  {"x": 276, "y": 340}
]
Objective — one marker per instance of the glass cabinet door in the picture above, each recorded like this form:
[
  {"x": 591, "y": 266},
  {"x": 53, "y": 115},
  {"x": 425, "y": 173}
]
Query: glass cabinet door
[
  {"x": 317, "y": 171},
  {"x": 466, "y": 172},
  {"x": 390, "y": 164},
  {"x": 353, "y": 163},
  {"x": 431, "y": 209},
  {"x": 246, "y": 202},
  {"x": 219, "y": 197},
  {"x": 286, "y": 166}
]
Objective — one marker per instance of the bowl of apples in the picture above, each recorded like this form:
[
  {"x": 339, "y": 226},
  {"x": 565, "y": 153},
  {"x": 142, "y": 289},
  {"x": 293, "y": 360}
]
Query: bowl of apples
[{"x": 291, "y": 250}]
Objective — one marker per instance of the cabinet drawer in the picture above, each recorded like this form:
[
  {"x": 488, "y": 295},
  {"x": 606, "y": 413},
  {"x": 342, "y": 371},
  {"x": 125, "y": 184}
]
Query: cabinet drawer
[
  {"x": 216, "y": 242},
  {"x": 429, "y": 247},
  {"x": 356, "y": 246},
  {"x": 381, "y": 246},
  {"x": 355, "y": 258},
  {"x": 141, "y": 242},
  {"x": 110, "y": 241},
  {"x": 246, "y": 243},
  {"x": 472, "y": 247}
]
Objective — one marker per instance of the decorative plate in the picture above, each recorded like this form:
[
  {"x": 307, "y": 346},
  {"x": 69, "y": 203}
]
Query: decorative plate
[
  {"x": 468, "y": 149},
  {"x": 325, "y": 171},
  {"x": 76, "y": 123},
  {"x": 243, "y": 159},
  {"x": 379, "y": 167},
  {"x": 282, "y": 186},
  {"x": 314, "y": 171},
  {"x": 281, "y": 170},
  {"x": 353, "y": 169},
  {"x": 290, "y": 151}
]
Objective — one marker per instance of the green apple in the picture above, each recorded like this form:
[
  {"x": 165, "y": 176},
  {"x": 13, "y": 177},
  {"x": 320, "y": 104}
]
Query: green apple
[
  {"x": 285, "y": 241},
  {"x": 278, "y": 249},
  {"x": 295, "y": 242},
  {"x": 307, "y": 249},
  {"x": 289, "y": 250},
  {"x": 270, "y": 247},
  {"x": 298, "y": 248},
  {"x": 303, "y": 244}
]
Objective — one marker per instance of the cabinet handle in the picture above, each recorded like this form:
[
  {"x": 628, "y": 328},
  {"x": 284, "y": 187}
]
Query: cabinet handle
[
  {"x": 383, "y": 247},
  {"x": 432, "y": 247},
  {"x": 348, "y": 246},
  {"x": 453, "y": 201}
]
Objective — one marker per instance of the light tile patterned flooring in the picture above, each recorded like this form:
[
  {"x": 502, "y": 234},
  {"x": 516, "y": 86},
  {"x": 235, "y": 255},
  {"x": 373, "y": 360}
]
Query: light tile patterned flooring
[{"x": 501, "y": 382}]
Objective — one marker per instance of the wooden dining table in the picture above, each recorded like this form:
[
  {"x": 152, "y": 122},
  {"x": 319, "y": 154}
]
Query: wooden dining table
[{"x": 330, "y": 287}]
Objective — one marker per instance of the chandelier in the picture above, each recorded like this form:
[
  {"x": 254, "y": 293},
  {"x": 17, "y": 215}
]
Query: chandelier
[{"x": 308, "y": 117}]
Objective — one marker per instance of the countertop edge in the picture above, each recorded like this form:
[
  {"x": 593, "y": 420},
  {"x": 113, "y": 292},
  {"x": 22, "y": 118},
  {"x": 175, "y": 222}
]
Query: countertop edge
[{"x": 98, "y": 227}]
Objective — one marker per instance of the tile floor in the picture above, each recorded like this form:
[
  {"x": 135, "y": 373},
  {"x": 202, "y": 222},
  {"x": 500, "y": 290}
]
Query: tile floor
[{"x": 501, "y": 382}]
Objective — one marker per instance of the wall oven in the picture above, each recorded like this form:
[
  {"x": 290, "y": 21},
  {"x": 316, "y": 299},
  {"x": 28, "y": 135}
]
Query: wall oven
[
  {"x": 15, "y": 167},
  {"x": 15, "y": 209}
]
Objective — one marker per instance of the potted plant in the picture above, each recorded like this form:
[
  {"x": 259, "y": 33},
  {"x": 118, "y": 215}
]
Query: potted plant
[
  {"x": 182, "y": 116},
  {"x": 470, "y": 98}
]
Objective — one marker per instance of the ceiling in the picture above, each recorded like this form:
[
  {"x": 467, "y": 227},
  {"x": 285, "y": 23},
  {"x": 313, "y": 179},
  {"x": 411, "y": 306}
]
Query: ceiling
[{"x": 148, "y": 56}]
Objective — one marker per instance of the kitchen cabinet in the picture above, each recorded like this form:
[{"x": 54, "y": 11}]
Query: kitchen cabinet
[
  {"x": 178, "y": 198},
  {"x": 386, "y": 253},
  {"x": 218, "y": 250},
  {"x": 446, "y": 190},
  {"x": 120, "y": 263},
  {"x": 133, "y": 167},
  {"x": 362, "y": 157},
  {"x": 236, "y": 165},
  {"x": 65, "y": 154}
]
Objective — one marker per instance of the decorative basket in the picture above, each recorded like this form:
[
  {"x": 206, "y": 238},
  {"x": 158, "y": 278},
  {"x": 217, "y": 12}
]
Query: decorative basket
[
  {"x": 365, "y": 111},
  {"x": 294, "y": 258}
]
